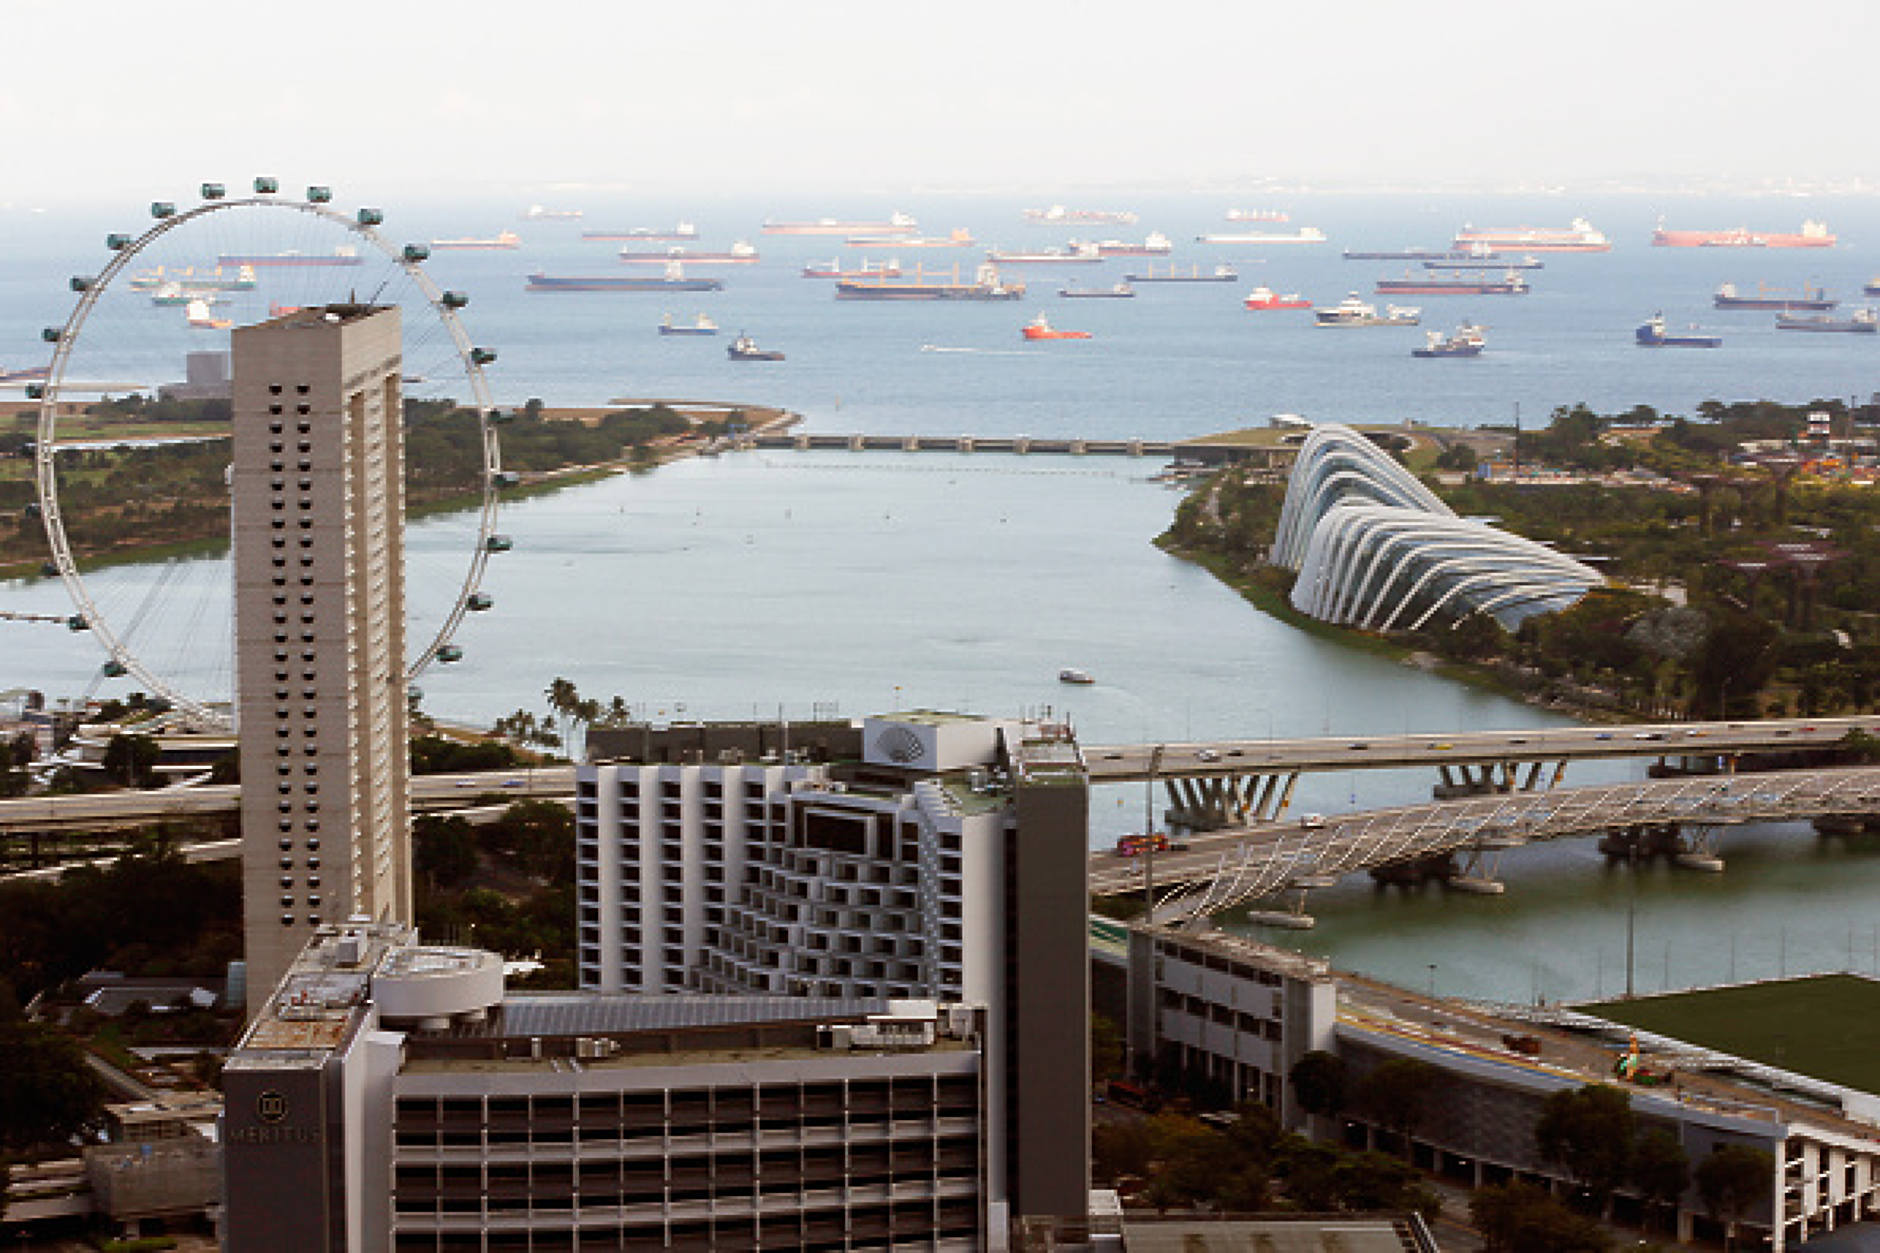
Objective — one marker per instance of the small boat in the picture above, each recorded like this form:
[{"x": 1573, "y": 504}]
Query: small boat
[
  {"x": 1267, "y": 298},
  {"x": 744, "y": 348},
  {"x": 1465, "y": 341},
  {"x": 201, "y": 317},
  {"x": 701, "y": 325},
  {"x": 1860, "y": 322},
  {"x": 1114, "y": 292},
  {"x": 1071, "y": 674},
  {"x": 1353, "y": 310},
  {"x": 1219, "y": 274},
  {"x": 1040, "y": 328},
  {"x": 1654, "y": 334}
]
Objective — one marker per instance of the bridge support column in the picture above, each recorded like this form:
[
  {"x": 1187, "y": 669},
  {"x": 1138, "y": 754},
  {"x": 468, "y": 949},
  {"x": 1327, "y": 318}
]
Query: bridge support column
[
  {"x": 1697, "y": 849},
  {"x": 1472, "y": 780},
  {"x": 1413, "y": 873},
  {"x": 1481, "y": 863}
]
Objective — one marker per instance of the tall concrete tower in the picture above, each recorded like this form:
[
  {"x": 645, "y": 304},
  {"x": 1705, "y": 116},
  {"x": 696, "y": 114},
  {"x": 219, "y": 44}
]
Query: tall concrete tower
[{"x": 319, "y": 506}]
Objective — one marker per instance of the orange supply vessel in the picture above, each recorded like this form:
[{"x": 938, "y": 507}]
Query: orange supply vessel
[
  {"x": 1267, "y": 298},
  {"x": 1039, "y": 328}
]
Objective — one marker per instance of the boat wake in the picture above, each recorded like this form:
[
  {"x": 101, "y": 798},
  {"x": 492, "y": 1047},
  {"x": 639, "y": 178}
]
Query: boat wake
[{"x": 983, "y": 352}]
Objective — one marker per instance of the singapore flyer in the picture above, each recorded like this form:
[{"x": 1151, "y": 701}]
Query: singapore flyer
[{"x": 131, "y": 455}]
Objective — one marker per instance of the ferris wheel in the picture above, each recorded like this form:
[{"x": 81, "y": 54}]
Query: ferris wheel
[{"x": 145, "y": 351}]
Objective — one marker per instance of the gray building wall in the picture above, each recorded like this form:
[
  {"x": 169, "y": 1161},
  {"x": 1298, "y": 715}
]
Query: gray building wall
[{"x": 318, "y": 488}]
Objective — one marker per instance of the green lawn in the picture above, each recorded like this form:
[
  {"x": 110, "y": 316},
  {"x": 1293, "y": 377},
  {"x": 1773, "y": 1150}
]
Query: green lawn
[{"x": 1826, "y": 1027}]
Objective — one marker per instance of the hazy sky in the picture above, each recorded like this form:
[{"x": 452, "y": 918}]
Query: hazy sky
[{"x": 111, "y": 96}]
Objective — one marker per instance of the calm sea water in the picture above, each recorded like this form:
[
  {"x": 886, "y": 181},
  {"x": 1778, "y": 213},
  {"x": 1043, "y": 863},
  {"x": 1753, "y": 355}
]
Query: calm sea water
[{"x": 794, "y": 585}]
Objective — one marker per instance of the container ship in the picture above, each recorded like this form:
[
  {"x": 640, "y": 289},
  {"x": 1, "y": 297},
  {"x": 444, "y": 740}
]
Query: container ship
[
  {"x": 896, "y": 224},
  {"x": 1653, "y": 333},
  {"x": 1304, "y": 235},
  {"x": 1058, "y": 215},
  {"x": 679, "y": 233},
  {"x": 1812, "y": 235},
  {"x": 1860, "y": 322},
  {"x": 740, "y": 253},
  {"x": 891, "y": 268},
  {"x": 672, "y": 280},
  {"x": 503, "y": 241},
  {"x": 1811, "y": 300},
  {"x": 1459, "y": 284},
  {"x": 1195, "y": 274},
  {"x": 986, "y": 285},
  {"x": 1578, "y": 237},
  {"x": 342, "y": 255}
]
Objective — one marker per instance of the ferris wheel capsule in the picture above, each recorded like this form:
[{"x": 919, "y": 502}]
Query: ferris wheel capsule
[
  {"x": 498, "y": 544},
  {"x": 502, "y": 417},
  {"x": 453, "y": 300},
  {"x": 78, "y": 622},
  {"x": 81, "y": 282},
  {"x": 483, "y": 356},
  {"x": 118, "y": 243},
  {"x": 265, "y": 186},
  {"x": 115, "y": 669},
  {"x": 161, "y": 209},
  {"x": 318, "y": 194},
  {"x": 35, "y": 391},
  {"x": 213, "y": 191},
  {"x": 479, "y": 601},
  {"x": 450, "y": 653},
  {"x": 505, "y": 478},
  {"x": 52, "y": 334},
  {"x": 417, "y": 252},
  {"x": 371, "y": 217}
]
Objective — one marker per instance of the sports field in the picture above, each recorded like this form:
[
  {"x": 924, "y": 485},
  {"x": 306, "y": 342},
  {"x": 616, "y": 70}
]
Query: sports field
[{"x": 1827, "y": 1027}]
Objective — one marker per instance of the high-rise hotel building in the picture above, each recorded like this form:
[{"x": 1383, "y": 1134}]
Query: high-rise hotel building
[
  {"x": 318, "y": 488},
  {"x": 949, "y": 862}
]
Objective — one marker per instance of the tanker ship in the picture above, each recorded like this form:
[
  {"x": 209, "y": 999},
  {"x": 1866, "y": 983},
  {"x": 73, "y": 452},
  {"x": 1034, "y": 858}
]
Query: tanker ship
[
  {"x": 1812, "y": 235},
  {"x": 1578, "y": 237}
]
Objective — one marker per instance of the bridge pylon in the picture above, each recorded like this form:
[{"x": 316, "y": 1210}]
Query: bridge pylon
[{"x": 1213, "y": 802}]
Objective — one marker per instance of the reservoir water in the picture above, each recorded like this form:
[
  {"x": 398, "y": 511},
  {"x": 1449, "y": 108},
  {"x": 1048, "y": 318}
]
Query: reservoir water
[{"x": 799, "y": 585}]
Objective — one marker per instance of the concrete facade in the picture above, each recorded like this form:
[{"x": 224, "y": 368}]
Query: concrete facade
[
  {"x": 950, "y": 862},
  {"x": 318, "y": 487}
]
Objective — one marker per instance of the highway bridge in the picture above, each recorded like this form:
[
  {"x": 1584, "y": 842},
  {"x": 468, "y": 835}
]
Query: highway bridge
[
  {"x": 1277, "y": 865},
  {"x": 1021, "y": 445}
]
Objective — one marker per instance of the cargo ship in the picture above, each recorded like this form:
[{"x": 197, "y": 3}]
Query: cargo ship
[
  {"x": 1812, "y": 235},
  {"x": 1041, "y": 328},
  {"x": 1871, "y": 289},
  {"x": 1116, "y": 291},
  {"x": 986, "y": 285},
  {"x": 1811, "y": 300},
  {"x": 1353, "y": 310},
  {"x": 1195, "y": 274},
  {"x": 1267, "y": 298},
  {"x": 1577, "y": 237},
  {"x": 1481, "y": 261},
  {"x": 679, "y": 233},
  {"x": 1654, "y": 334},
  {"x": 1258, "y": 215},
  {"x": 344, "y": 254},
  {"x": 503, "y": 241},
  {"x": 189, "y": 279},
  {"x": 1045, "y": 256},
  {"x": 1402, "y": 254},
  {"x": 1455, "y": 284},
  {"x": 959, "y": 238},
  {"x": 1057, "y": 215},
  {"x": 891, "y": 268},
  {"x": 740, "y": 253},
  {"x": 1465, "y": 341},
  {"x": 896, "y": 224},
  {"x": 701, "y": 325},
  {"x": 540, "y": 213},
  {"x": 1304, "y": 235},
  {"x": 1860, "y": 322},
  {"x": 674, "y": 279},
  {"x": 1155, "y": 244}
]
